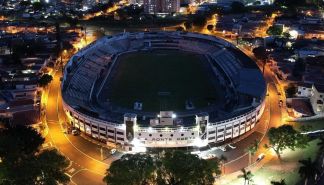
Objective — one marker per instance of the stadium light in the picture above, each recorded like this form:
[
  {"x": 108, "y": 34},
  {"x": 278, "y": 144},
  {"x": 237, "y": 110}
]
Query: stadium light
[
  {"x": 199, "y": 142},
  {"x": 138, "y": 147},
  {"x": 293, "y": 34},
  {"x": 174, "y": 115},
  {"x": 149, "y": 129},
  {"x": 135, "y": 142}
]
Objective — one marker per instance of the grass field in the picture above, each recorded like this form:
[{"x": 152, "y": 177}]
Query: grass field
[{"x": 178, "y": 76}]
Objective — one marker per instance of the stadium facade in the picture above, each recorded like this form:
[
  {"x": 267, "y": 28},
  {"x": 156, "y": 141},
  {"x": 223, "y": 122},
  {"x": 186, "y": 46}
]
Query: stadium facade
[{"x": 87, "y": 71}]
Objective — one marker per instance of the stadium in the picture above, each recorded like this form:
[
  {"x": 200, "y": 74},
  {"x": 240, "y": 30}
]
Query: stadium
[{"x": 162, "y": 89}]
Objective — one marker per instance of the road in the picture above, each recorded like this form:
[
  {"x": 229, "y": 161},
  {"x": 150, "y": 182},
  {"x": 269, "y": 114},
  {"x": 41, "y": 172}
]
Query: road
[{"x": 86, "y": 166}]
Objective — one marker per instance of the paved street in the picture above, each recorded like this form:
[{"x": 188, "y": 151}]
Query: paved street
[{"x": 83, "y": 154}]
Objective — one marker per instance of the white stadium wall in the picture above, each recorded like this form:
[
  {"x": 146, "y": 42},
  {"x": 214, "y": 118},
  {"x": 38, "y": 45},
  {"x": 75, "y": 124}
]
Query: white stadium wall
[{"x": 171, "y": 137}]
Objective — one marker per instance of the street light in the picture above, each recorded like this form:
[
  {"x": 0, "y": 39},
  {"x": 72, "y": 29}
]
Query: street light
[{"x": 101, "y": 153}]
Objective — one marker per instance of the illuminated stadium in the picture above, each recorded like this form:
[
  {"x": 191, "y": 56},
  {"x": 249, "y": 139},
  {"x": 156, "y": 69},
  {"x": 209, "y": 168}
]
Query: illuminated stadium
[{"x": 162, "y": 89}]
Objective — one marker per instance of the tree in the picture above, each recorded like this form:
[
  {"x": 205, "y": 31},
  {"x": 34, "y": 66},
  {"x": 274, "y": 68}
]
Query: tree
[
  {"x": 52, "y": 165},
  {"x": 197, "y": 171},
  {"x": 274, "y": 30},
  {"x": 289, "y": 3},
  {"x": 252, "y": 149},
  {"x": 285, "y": 137},
  {"x": 199, "y": 20},
  {"x": 58, "y": 37},
  {"x": 71, "y": 21},
  {"x": 98, "y": 34},
  {"x": 261, "y": 54},
  {"x": 170, "y": 168},
  {"x": 67, "y": 46},
  {"x": 299, "y": 68},
  {"x": 281, "y": 182},
  {"x": 257, "y": 3},
  {"x": 24, "y": 3},
  {"x": 130, "y": 169},
  {"x": 321, "y": 150},
  {"x": 44, "y": 80},
  {"x": 222, "y": 161},
  {"x": 180, "y": 28},
  {"x": 291, "y": 90},
  {"x": 246, "y": 175},
  {"x": 37, "y": 6},
  {"x": 286, "y": 35},
  {"x": 19, "y": 142},
  {"x": 23, "y": 163},
  {"x": 25, "y": 48},
  {"x": 188, "y": 25},
  {"x": 321, "y": 144},
  {"x": 210, "y": 27},
  {"x": 308, "y": 169},
  {"x": 237, "y": 7}
]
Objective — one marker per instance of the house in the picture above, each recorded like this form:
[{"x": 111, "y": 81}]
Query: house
[
  {"x": 304, "y": 90},
  {"x": 317, "y": 98},
  {"x": 300, "y": 107},
  {"x": 315, "y": 94}
]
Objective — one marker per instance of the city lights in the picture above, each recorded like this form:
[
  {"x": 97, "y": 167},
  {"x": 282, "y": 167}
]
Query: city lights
[{"x": 145, "y": 91}]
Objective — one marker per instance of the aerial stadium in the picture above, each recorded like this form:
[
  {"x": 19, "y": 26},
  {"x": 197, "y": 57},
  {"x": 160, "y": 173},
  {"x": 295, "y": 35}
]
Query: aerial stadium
[{"x": 162, "y": 89}]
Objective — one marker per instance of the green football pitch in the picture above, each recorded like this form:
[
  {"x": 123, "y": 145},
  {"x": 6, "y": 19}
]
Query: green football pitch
[{"x": 161, "y": 80}]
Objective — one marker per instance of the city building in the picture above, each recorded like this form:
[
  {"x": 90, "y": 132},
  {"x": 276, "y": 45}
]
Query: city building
[
  {"x": 315, "y": 93},
  {"x": 161, "y": 6}
]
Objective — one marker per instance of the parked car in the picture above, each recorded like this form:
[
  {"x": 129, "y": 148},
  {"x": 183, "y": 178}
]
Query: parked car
[
  {"x": 231, "y": 146},
  {"x": 75, "y": 132},
  {"x": 260, "y": 157},
  {"x": 280, "y": 103},
  {"x": 222, "y": 148},
  {"x": 113, "y": 151},
  {"x": 209, "y": 156}
]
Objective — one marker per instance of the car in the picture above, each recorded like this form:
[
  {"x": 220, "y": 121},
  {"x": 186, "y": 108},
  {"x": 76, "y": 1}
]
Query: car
[
  {"x": 222, "y": 148},
  {"x": 195, "y": 152},
  {"x": 204, "y": 157},
  {"x": 113, "y": 151},
  {"x": 280, "y": 103},
  {"x": 209, "y": 156},
  {"x": 260, "y": 157},
  {"x": 231, "y": 146},
  {"x": 75, "y": 132}
]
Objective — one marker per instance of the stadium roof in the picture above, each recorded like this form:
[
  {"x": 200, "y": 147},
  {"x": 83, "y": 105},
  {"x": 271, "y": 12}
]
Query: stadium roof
[{"x": 251, "y": 83}]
